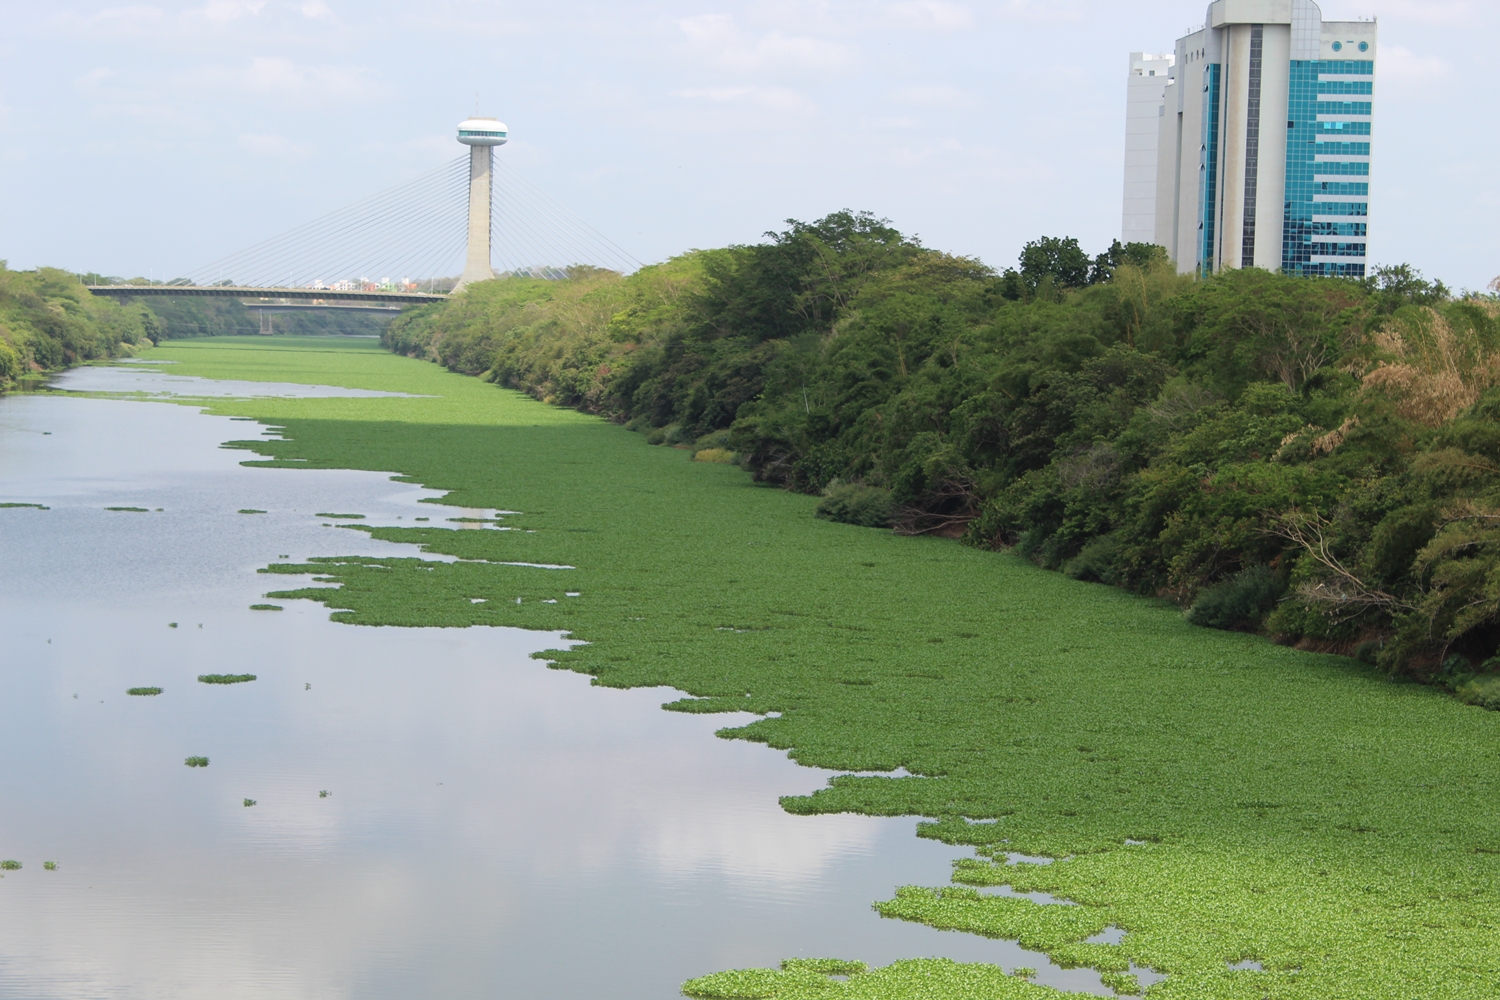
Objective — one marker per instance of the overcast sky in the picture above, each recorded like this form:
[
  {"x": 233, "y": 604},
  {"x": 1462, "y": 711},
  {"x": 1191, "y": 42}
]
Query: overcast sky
[{"x": 152, "y": 138}]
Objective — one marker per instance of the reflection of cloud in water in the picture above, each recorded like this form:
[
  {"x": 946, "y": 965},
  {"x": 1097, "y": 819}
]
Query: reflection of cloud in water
[
  {"x": 496, "y": 828},
  {"x": 110, "y": 379},
  {"x": 470, "y": 786}
]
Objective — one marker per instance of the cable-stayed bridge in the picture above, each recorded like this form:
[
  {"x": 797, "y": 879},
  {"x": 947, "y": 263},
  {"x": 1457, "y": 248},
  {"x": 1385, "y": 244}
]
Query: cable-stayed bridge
[{"x": 470, "y": 219}]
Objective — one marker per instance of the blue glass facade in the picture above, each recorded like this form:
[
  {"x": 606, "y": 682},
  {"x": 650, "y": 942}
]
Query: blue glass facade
[
  {"x": 1208, "y": 186},
  {"x": 1312, "y": 186}
]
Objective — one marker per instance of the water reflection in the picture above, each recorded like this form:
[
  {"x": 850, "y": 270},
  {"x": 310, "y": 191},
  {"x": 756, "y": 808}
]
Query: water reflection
[
  {"x": 149, "y": 382},
  {"x": 494, "y": 828}
]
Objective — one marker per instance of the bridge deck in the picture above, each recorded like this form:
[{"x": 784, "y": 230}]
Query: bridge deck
[{"x": 265, "y": 296}]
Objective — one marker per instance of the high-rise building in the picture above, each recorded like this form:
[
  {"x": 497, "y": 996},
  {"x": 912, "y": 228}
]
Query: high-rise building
[
  {"x": 1144, "y": 91},
  {"x": 1235, "y": 187}
]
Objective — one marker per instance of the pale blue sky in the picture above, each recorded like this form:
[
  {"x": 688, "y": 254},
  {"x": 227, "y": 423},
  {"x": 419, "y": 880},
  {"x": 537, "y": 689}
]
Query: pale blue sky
[{"x": 150, "y": 138}]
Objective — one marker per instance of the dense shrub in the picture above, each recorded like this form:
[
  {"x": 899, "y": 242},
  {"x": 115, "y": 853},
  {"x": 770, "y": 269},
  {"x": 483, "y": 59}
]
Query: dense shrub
[
  {"x": 1240, "y": 602},
  {"x": 854, "y": 503},
  {"x": 1315, "y": 457},
  {"x": 49, "y": 320}
]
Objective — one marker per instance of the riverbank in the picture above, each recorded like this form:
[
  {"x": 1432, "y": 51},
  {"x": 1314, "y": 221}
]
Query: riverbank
[
  {"x": 1284, "y": 807},
  {"x": 49, "y": 321}
]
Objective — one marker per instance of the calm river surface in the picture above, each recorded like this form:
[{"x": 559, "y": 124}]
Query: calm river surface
[{"x": 493, "y": 829}]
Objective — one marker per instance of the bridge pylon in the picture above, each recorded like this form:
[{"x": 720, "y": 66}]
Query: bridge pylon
[{"x": 481, "y": 135}]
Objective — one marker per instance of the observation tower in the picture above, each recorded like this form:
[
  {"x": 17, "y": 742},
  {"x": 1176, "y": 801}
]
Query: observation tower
[{"x": 481, "y": 135}]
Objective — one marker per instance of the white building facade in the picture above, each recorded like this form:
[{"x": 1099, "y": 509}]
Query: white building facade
[
  {"x": 1144, "y": 91},
  {"x": 1262, "y": 154}
]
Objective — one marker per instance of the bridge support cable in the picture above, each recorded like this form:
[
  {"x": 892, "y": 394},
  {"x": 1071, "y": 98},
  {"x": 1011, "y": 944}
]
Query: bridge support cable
[
  {"x": 451, "y": 251},
  {"x": 415, "y": 233},
  {"x": 533, "y": 233},
  {"x": 375, "y": 237},
  {"x": 398, "y": 237},
  {"x": 377, "y": 241},
  {"x": 517, "y": 247}
]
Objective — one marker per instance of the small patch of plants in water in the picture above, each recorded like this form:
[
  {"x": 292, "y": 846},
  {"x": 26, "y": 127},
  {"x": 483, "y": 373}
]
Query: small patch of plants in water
[
  {"x": 250, "y": 510},
  {"x": 133, "y": 510},
  {"x": 249, "y": 803},
  {"x": 346, "y": 517},
  {"x": 145, "y": 692},
  {"x": 50, "y": 866},
  {"x": 265, "y": 607},
  {"x": 324, "y": 794},
  {"x": 35, "y": 506},
  {"x": 225, "y": 678},
  {"x": 10, "y": 866},
  {"x": 196, "y": 762}
]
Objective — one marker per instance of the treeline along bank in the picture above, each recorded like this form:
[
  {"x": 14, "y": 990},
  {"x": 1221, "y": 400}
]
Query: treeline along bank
[
  {"x": 1314, "y": 458},
  {"x": 49, "y": 320}
]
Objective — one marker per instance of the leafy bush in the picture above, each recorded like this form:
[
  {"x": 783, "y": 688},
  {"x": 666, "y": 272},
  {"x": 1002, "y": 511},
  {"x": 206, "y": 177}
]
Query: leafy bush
[
  {"x": 714, "y": 455},
  {"x": 10, "y": 866},
  {"x": 196, "y": 762},
  {"x": 1104, "y": 415},
  {"x": 1095, "y": 562},
  {"x": 853, "y": 503},
  {"x": 1240, "y": 602},
  {"x": 1483, "y": 691},
  {"x": 49, "y": 320}
]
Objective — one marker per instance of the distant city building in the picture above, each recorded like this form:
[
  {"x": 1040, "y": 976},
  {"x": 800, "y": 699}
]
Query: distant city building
[
  {"x": 1149, "y": 76},
  {"x": 1234, "y": 186}
]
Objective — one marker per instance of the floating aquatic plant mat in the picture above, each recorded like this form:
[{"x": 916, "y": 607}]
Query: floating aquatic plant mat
[{"x": 1290, "y": 808}]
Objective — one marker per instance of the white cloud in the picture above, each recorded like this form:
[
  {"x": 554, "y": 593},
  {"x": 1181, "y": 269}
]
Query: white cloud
[
  {"x": 222, "y": 11},
  {"x": 1398, "y": 63},
  {"x": 1441, "y": 12},
  {"x": 709, "y": 27},
  {"x": 931, "y": 15},
  {"x": 94, "y": 77},
  {"x": 316, "y": 8},
  {"x": 135, "y": 15},
  {"x": 781, "y": 99},
  {"x": 274, "y": 146},
  {"x": 1039, "y": 11},
  {"x": 278, "y": 75},
  {"x": 724, "y": 44},
  {"x": 714, "y": 93},
  {"x": 932, "y": 95}
]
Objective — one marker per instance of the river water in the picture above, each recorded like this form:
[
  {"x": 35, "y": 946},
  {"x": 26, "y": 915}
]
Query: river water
[{"x": 490, "y": 828}]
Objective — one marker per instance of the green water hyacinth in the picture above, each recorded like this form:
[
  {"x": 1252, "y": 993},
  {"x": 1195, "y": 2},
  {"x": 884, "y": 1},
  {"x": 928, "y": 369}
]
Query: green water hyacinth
[{"x": 1217, "y": 796}]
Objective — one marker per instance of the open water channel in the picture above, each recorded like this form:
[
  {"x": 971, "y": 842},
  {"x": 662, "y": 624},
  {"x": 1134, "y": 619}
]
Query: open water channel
[{"x": 490, "y": 828}]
